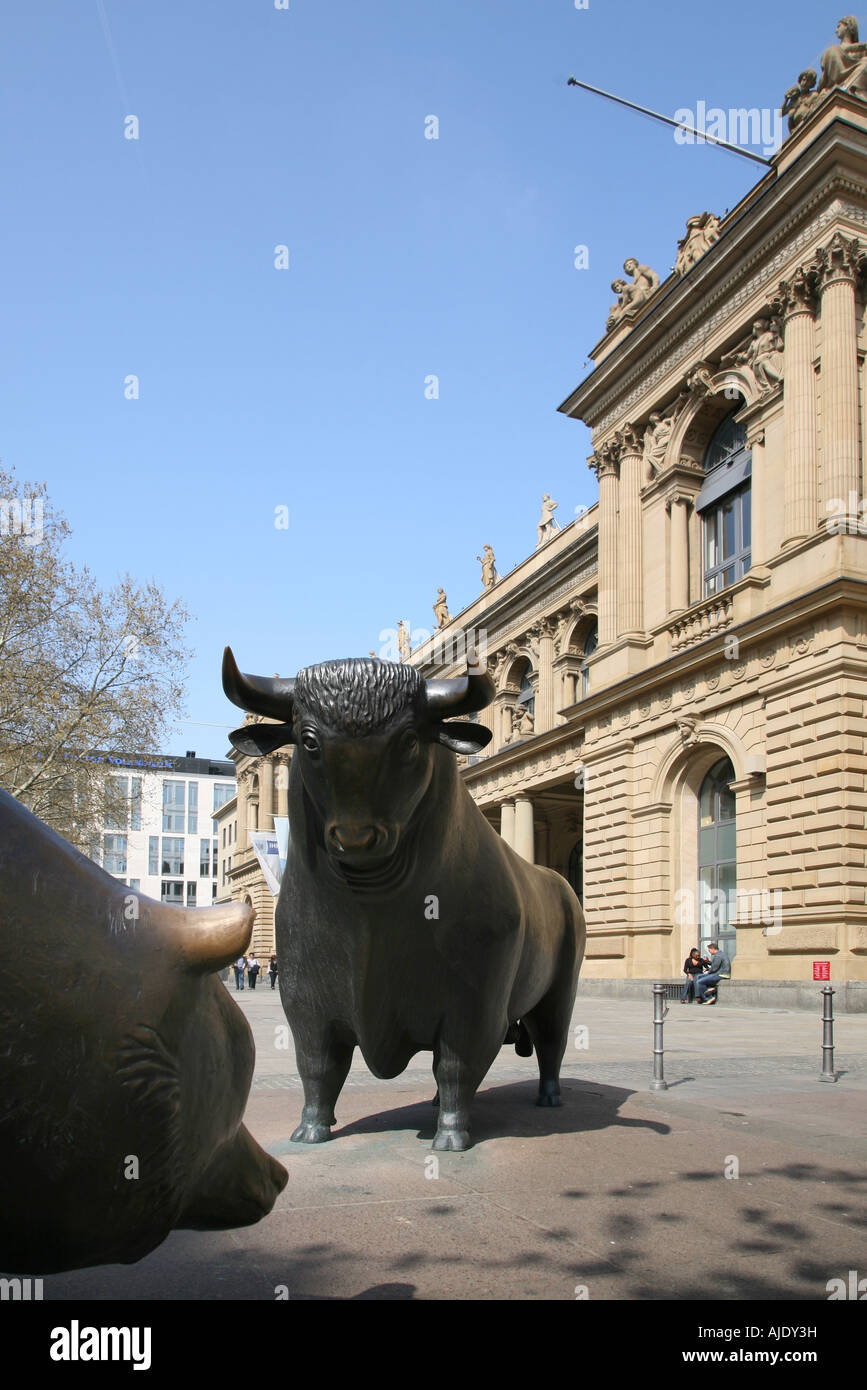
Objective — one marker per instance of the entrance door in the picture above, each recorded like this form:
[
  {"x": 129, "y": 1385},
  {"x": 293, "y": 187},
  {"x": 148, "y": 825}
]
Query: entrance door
[{"x": 717, "y": 860}]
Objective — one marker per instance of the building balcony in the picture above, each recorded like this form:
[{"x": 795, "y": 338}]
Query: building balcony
[{"x": 702, "y": 620}]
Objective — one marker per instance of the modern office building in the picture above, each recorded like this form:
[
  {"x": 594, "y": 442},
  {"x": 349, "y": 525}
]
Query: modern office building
[{"x": 165, "y": 845}]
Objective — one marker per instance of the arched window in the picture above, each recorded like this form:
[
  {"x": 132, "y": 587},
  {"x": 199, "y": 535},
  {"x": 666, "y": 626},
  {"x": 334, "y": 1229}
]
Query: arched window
[
  {"x": 724, "y": 507},
  {"x": 526, "y": 694},
  {"x": 591, "y": 642},
  {"x": 717, "y": 859}
]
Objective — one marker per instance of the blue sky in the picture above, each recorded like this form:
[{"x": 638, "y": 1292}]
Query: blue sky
[{"x": 408, "y": 257}]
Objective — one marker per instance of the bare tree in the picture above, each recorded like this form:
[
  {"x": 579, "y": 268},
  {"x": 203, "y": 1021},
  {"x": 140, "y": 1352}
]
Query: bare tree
[{"x": 83, "y": 671}]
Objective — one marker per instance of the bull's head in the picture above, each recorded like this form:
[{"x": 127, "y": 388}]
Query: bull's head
[{"x": 365, "y": 734}]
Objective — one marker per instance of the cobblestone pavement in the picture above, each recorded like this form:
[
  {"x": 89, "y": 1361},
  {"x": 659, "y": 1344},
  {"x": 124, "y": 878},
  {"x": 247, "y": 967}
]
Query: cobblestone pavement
[{"x": 600, "y": 1196}]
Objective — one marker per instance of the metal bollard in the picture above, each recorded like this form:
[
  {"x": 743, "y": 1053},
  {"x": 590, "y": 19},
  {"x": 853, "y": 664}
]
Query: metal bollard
[
  {"x": 828, "y": 1073},
  {"x": 660, "y": 1010}
]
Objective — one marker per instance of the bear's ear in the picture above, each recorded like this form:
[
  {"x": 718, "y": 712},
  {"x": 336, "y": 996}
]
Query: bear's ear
[
  {"x": 254, "y": 739},
  {"x": 463, "y": 737}
]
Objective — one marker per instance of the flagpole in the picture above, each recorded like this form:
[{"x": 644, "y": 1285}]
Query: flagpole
[{"x": 668, "y": 120}]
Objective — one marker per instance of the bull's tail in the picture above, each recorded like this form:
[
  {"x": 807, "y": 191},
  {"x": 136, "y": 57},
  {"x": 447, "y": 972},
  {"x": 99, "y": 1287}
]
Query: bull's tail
[{"x": 517, "y": 1034}]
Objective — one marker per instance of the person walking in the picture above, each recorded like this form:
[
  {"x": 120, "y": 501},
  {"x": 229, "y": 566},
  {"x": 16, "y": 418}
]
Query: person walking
[
  {"x": 240, "y": 967},
  {"x": 272, "y": 970},
  {"x": 720, "y": 966},
  {"x": 692, "y": 966},
  {"x": 252, "y": 970}
]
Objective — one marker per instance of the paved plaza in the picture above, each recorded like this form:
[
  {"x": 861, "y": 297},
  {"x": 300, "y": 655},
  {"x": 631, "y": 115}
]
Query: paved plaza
[{"x": 603, "y": 1198}]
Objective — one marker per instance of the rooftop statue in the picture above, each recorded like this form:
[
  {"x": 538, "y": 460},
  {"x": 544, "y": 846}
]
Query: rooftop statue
[
  {"x": 701, "y": 233},
  {"x": 403, "y": 646},
  {"x": 631, "y": 296},
  {"x": 440, "y": 608},
  {"x": 845, "y": 63},
  {"x": 548, "y": 525},
  {"x": 489, "y": 570},
  {"x": 405, "y": 923},
  {"x": 801, "y": 100}
]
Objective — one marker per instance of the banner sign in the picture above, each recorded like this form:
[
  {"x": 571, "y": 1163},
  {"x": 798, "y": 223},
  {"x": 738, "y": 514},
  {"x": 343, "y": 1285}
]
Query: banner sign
[
  {"x": 267, "y": 849},
  {"x": 821, "y": 970}
]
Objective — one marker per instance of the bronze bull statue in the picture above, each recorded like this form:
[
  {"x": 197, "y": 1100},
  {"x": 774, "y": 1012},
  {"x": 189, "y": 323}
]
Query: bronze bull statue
[
  {"x": 404, "y": 922},
  {"x": 124, "y": 1064}
]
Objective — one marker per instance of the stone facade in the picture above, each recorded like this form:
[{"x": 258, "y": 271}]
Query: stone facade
[{"x": 641, "y": 667}]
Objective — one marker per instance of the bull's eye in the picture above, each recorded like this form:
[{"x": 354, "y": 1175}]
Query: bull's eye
[
  {"x": 409, "y": 744},
  {"x": 310, "y": 741}
]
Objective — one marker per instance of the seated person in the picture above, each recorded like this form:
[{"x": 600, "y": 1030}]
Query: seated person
[
  {"x": 692, "y": 966},
  {"x": 720, "y": 966}
]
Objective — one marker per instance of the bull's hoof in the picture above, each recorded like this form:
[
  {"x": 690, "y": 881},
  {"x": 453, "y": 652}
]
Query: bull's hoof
[
  {"x": 451, "y": 1140},
  {"x": 549, "y": 1093},
  {"x": 308, "y": 1133}
]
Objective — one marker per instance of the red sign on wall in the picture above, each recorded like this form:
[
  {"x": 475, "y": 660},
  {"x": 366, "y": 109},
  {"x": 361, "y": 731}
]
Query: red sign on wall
[{"x": 821, "y": 970}]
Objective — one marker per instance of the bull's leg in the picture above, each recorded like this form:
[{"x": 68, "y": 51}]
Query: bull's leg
[
  {"x": 548, "y": 1026},
  {"x": 323, "y": 1071},
  {"x": 459, "y": 1074}
]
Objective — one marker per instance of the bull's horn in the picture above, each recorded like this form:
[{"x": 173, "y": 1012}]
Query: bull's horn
[
  {"x": 258, "y": 694},
  {"x": 209, "y": 938},
  {"x": 447, "y": 699}
]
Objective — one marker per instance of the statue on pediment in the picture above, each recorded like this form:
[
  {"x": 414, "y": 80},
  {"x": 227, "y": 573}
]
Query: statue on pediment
[
  {"x": 801, "y": 100},
  {"x": 487, "y": 560},
  {"x": 403, "y": 647},
  {"x": 441, "y": 610},
  {"x": 763, "y": 355},
  {"x": 845, "y": 63},
  {"x": 631, "y": 296},
  {"x": 701, "y": 233},
  {"x": 547, "y": 526}
]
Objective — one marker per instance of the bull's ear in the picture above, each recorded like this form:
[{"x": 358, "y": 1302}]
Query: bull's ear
[
  {"x": 463, "y": 737},
  {"x": 254, "y": 739}
]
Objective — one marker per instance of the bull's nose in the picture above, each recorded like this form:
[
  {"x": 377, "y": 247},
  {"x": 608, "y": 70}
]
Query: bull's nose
[{"x": 355, "y": 839}]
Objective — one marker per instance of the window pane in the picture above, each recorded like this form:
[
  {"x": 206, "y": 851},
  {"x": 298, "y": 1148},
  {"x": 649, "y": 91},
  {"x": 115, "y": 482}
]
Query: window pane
[
  {"x": 172, "y": 892},
  {"x": 191, "y": 895},
  {"x": 116, "y": 813},
  {"x": 223, "y": 792},
  {"x": 727, "y": 804},
  {"x": 214, "y": 859},
  {"x": 706, "y": 845},
  {"x": 193, "y": 808},
  {"x": 153, "y": 854},
  {"x": 135, "y": 804},
  {"x": 173, "y": 855},
  {"x": 135, "y": 885},
  {"x": 728, "y": 528},
  {"x": 174, "y": 797},
  {"x": 711, "y": 554},
  {"x": 114, "y": 854},
  {"x": 204, "y": 858},
  {"x": 725, "y": 843}
]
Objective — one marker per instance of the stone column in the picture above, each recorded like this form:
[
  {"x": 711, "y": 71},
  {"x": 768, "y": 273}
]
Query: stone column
[
  {"x": 630, "y": 560},
  {"x": 677, "y": 503},
  {"x": 524, "y": 828},
  {"x": 797, "y": 303},
  {"x": 546, "y": 702},
  {"x": 838, "y": 264},
  {"x": 507, "y": 822},
  {"x": 282, "y": 788},
  {"x": 604, "y": 461},
  {"x": 266, "y": 794},
  {"x": 243, "y": 788}
]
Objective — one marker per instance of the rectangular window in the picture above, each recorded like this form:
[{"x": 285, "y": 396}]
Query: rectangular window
[
  {"x": 192, "y": 808},
  {"x": 135, "y": 804},
  {"x": 135, "y": 885},
  {"x": 114, "y": 854},
  {"x": 173, "y": 856},
  {"x": 223, "y": 792},
  {"x": 727, "y": 527},
  {"x": 224, "y": 837},
  {"x": 191, "y": 895},
  {"x": 171, "y": 892},
  {"x": 153, "y": 854},
  {"x": 204, "y": 859},
  {"x": 174, "y": 798},
  {"x": 213, "y": 889},
  {"x": 116, "y": 811},
  {"x": 214, "y": 859}
]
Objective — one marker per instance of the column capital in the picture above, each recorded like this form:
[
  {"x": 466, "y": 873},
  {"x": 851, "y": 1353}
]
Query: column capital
[
  {"x": 674, "y": 496},
  {"x": 797, "y": 294},
  {"x": 630, "y": 441},
  {"x": 843, "y": 259},
  {"x": 605, "y": 461}
]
